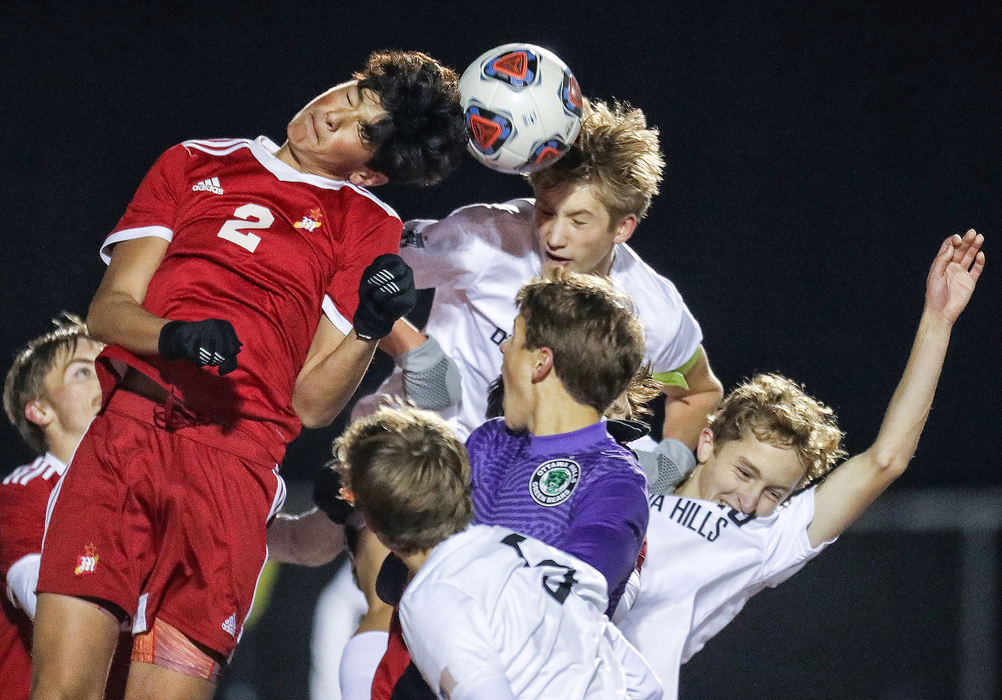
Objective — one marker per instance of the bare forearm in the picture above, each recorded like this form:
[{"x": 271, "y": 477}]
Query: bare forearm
[
  {"x": 909, "y": 407},
  {"x": 403, "y": 338},
  {"x": 116, "y": 313},
  {"x": 686, "y": 415},
  {"x": 324, "y": 389},
  {"x": 116, "y": 318}
]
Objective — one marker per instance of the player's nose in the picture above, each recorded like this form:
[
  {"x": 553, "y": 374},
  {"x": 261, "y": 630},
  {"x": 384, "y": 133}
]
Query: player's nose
[
  {"x": 748, "y": 501},
  {"x": 556, "y": 235}
]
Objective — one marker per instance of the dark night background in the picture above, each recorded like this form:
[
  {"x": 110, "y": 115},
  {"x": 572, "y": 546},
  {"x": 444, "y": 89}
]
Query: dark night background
[{"x": 817, "y": 156}]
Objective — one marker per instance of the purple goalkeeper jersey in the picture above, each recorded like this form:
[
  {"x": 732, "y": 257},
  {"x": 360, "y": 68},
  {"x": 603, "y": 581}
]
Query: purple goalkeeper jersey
[{"x": 581, "y": 492}]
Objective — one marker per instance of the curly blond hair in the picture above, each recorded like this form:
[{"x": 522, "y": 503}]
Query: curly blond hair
[
  {"x": 777, "y": 410},
  {"x": 615, "y": 150}
]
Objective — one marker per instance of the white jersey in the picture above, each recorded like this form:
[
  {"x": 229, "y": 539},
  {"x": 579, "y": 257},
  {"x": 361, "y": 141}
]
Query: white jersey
[
  {"x": 704, "y": 561},
  {"x": 489, "y": 605},
  {"x": 479, "y": 256}
]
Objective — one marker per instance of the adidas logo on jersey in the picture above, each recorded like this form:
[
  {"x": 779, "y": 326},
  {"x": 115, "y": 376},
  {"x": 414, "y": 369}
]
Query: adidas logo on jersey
[
  {"x": 230, "y": 625},
  {"x": 211, "y": 185}
]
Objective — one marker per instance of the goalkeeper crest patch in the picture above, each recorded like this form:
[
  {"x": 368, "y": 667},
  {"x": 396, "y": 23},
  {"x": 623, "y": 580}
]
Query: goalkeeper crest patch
[{"x": 553, "y": 481}]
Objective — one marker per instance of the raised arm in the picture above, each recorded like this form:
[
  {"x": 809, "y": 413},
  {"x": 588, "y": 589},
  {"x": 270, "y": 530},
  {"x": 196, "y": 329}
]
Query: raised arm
[
  {"x": 336, "y": 363},
  {"x": 854, "y": 485},
  {"x": 686, "y": 409}
]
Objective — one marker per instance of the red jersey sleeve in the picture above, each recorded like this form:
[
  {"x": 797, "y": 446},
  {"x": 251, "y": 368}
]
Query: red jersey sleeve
[
  {"x": 373, "y": 232},
  {"x": 154, "y": 208}
]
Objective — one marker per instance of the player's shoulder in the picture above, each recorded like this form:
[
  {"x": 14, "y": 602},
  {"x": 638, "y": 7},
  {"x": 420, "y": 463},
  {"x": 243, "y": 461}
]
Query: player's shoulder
[
  {"x": 512, "y": 214},
  {"x": 43, "y": 470},
  {"x": 215, "y": 148},
  {"x": 639, "y": 279},
  {"x": 493, "y": 428}
]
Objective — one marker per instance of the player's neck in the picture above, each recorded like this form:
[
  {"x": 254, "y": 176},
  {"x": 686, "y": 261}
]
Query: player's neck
[
  {"x": 605, "y": 267},
  {"x": 415, "y": 560},
  {"x": 690, "y": 487},
  {"x": 62, "y": 445},
  {"x": 556, "y": 412},
  {"x": 284, "y": 154}
]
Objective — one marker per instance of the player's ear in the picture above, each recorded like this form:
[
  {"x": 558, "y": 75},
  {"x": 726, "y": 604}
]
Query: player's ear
[
  {"x": 704, "y": 447},
  {"x": 368, "y": 178},
  {"x": 39, "y": 412},
  {"x": 542, "y": 365},
  {"x": 625, "y": 228}
]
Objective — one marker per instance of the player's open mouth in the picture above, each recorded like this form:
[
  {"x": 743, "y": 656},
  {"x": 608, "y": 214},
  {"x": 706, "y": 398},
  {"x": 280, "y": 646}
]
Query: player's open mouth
[{"x": 556, "y": 259}]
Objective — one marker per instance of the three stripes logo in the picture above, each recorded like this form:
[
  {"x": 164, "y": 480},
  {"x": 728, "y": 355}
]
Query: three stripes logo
[
  {"x": 210, "y": 185},
  {"x": 230, "y": 625},
  {"x": 387, "y": 284}
]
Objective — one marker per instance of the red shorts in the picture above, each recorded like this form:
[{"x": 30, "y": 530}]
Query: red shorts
[{"x": 164, "y": 524}]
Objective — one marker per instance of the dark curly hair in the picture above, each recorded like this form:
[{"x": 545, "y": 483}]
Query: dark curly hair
[{"x": 423, "y": 136}]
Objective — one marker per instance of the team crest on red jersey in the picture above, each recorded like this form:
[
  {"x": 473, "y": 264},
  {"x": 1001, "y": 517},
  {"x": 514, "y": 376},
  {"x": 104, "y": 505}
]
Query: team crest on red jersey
[
  {"x": 312, "y": 221},
  {"x": 87, "y": 562}
]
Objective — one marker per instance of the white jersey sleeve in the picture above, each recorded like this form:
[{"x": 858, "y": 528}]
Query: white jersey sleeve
[
  {"x": 454, "y": 251},
  {"x": 22, "y": 579},
  {"x": 445, "y": 633},
  {"x": 673, "y": 335}
]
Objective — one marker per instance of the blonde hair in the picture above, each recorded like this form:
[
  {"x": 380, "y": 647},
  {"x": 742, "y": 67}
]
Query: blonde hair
[
  {"x": 25, "y": 380},
  {"x": 408, "y": 474},
  {"x": 616, "y": 151},
  {"x": 777, "y": 410}
]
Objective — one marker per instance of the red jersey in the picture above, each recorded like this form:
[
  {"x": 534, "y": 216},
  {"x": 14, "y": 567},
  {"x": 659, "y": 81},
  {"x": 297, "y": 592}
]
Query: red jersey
[
  {"x": 24, "y": 497},
  {"x": 264, "y": 246}
]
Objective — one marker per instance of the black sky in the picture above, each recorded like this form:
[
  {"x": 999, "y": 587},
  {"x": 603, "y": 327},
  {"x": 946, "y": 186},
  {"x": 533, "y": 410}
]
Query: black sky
[{"x": 817, "y": 155}]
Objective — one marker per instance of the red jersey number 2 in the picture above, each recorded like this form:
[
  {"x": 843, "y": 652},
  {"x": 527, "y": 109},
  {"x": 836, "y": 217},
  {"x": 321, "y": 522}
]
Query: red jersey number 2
[{"x": 249, "y": 216}]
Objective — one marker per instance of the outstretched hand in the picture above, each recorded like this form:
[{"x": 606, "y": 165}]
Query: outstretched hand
[{"x": 954, "y": 273}]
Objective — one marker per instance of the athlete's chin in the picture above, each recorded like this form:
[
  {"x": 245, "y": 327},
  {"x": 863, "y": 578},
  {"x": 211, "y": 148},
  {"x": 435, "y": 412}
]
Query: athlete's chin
[{"x": 552, "y": 263}]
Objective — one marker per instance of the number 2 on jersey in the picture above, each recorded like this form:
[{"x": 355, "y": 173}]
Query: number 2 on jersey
[{"x": 251, "y": 216}]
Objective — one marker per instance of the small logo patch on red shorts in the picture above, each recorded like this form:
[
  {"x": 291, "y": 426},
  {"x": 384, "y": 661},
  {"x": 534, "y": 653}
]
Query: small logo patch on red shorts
[{"x": 87, "y": 562}]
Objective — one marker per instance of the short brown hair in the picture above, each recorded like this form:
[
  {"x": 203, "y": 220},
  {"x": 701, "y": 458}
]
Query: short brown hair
[
  {"x": 422, "y": 138},
  {"x": 25, "y": 380},
  {"x": 409, "y": 475},
  {"x": 777, "y": 410},
  {"x": 597, "y": 341},
  {"x": 616, "y": 151}
]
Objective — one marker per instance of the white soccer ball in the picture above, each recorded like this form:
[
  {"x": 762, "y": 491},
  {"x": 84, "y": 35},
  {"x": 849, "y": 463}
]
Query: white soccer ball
[{"x": 523, "y": 108}]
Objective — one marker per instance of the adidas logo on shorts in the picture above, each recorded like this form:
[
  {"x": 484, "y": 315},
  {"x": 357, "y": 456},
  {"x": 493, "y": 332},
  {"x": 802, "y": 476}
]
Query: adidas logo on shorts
[
  {"x": 211, "y": 185},
  {"x": 230, "y": 625}
]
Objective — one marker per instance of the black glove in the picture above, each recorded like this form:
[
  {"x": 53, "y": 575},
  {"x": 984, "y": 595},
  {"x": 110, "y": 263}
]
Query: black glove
[
  {"x": 327, "y": 494},
  {"x": 385, "y": 293},
  {"x": 210, "y": 342}
]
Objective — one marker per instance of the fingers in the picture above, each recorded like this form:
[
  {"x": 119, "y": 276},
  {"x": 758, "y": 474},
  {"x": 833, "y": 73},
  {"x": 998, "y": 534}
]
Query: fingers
[
  {"x": 978, "y": 267},
  {"x": 944, "y": 255},
  {"x": 968, "y": 249}
]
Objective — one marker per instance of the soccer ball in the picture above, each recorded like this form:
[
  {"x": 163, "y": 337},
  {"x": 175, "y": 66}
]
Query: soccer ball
[{"x": 523, "y": 108}]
